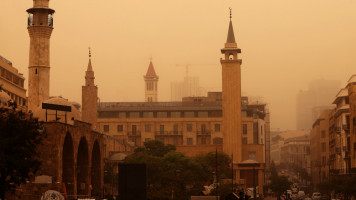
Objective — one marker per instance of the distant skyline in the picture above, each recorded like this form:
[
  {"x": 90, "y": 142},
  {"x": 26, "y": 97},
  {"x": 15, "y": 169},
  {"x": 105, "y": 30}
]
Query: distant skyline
[{"x": 285, "y": 45}]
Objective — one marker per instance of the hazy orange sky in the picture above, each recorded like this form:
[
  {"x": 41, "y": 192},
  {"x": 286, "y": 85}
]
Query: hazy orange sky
[{"x": 285, "y": 44}]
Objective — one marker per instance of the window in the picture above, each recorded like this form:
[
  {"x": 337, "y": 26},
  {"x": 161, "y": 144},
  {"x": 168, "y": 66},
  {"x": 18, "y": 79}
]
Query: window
[
  {"x": 203, "y": 114},
  {"x": 244, "y": 128},
  {"x": 149, "y": 86},
  {"x": 189, "y": 127},
  {"x": 324, "y": 161},
  {"x": 134, "y": 115},
  {"x": 188, "y": 114},
  {"x": 203, "y": 128},
  {"x": 106, "y": 128},
  {"x": 120, "y": 128},
  {"x": 161, "y": 114},
  {"x": 134, "y": 129},
  {"x": 175, "y": 115},
  {"x": 175, "y": 129},
  {"x": 244, "y": 140},
  {"x": 122, "y": 115},
  {"x": 323, "y": 147},
  {"x": 203, "y": 140},
  {"x": 147, "y": 139},
  {"x": 323, "y": 134},
  {"x": 148, "y": 128},
  {"x": 217, "y": 127},
  {"x": 217, "y": 140},
  {"x": 175, "y": 141},
  {"x": 147, "y": 114},
  {"x": 189, "y": 141},
  {"x": 161, "y": 129}
]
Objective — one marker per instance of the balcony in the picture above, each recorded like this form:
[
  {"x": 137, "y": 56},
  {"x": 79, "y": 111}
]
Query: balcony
[
  {"x": 134, "y": 134},
  {"x": 169, "y": 133},
  {"x": 203, "y": 133}
]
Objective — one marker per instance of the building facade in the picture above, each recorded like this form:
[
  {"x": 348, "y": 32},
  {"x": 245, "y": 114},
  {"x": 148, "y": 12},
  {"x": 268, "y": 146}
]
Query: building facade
[
  {"x": 13, "y": 83},
  {"x": 296, "y": 152},
  {"x": 319, "y": 149}
]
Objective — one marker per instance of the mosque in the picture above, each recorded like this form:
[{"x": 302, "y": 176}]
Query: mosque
[{"x": 222, "y": 120}]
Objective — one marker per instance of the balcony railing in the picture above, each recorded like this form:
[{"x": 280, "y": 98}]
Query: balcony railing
[
  {"x": 203, "y": 133},
  {"x": 169, "y": 133},
  {"x": 134, "y": 134}
]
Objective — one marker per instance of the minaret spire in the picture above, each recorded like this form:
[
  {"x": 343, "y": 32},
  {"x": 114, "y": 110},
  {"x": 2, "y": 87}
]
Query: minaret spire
[
  {"x": 230, "y": 33},
  {"x": 90, "y": 97},
  {"x": 90, "y": 68}
]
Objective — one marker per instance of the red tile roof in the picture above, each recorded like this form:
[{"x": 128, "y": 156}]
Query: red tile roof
[{"x": 151, "y": 71}]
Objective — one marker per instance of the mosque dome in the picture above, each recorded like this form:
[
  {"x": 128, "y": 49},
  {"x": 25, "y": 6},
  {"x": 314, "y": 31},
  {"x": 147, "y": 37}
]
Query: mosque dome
[
  {"x": 4, "y": 98},
  {"x": 75, "y": 113}
]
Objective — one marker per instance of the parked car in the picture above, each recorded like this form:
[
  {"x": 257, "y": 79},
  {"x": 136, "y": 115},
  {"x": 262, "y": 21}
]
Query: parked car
[
  {"x": 316, "y": 196},
  {"x": 301, "y": 194}
]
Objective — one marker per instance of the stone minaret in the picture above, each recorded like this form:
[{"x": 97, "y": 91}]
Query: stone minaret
[
  {"x": 151, "y": 80},
  {"x": 231, "y": 97},
  {"x": 90, "y": 97},
  {"x": 40, "y": 26}
]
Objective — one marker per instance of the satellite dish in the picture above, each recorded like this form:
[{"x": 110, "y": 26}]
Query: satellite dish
[{"x": 52, "y": 195}]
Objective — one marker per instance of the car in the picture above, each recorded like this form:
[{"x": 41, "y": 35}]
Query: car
[
  {"x": 316, "y": 196},
  {"x": 301, "y": 194}
]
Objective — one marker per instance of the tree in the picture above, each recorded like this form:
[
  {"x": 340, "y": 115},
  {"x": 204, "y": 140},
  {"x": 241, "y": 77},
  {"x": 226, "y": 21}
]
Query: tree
[
  {"x": 20, "y": 135},
  {"x": 170, "y": 172},
  {"x": 279, "y": 184}
]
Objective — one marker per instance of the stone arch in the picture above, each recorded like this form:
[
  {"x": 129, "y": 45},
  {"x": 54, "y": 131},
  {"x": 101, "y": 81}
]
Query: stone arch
[
  {"x": 82, "y": 167},
  {"x": 96, "y": 169},
  {"x": 68, "y": 164}
]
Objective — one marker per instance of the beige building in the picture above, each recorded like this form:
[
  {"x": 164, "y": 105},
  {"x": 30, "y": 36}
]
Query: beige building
[
  {"x": 296, "y": 152},
  {"x": 12, "y": 83},
  {"x": 351, "y": 140},
  {"x": 319, "y": 148}
]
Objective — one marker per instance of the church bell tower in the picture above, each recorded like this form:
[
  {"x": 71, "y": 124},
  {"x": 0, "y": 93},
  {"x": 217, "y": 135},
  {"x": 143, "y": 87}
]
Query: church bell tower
[
  {"x": 151, "y": 81},
  {"x": 40, "y": 26},
  {"x": 231, "y": 96}
]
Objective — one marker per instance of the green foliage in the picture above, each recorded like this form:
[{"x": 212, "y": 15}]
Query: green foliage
[
  {"x": 208, "y": 163},
  {"x": 19, "y": 137},
  {"x": 279, "y": 184},
  {"x": 171, "y": 172}
]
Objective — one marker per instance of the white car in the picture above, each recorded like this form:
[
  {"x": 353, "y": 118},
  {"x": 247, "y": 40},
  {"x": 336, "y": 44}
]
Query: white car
[{"x": 316, "y": 196}]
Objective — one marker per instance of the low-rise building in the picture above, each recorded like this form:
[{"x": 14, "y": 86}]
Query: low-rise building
[
  {"x": 319, "y": 148},
  {"x": 12, "y": 83}
]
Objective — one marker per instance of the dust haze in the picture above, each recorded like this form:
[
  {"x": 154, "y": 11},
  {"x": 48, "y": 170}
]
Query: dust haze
[{"x": 285, "y": 45}]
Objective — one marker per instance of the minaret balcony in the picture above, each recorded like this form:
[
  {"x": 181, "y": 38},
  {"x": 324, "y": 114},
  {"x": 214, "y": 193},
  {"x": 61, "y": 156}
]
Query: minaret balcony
[{"x": 49, "y": 22}]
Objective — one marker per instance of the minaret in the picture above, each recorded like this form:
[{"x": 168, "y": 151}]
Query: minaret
[
  {"x": 90, "y": 97},
  {"x": 231, "y": 96},
  {"x": 40, "y": 26},
  {"x": 151, "y": 80}
]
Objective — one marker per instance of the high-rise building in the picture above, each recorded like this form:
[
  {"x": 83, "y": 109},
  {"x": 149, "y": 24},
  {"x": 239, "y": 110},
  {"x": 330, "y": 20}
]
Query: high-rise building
[
  {"x": 314, "y": 100},
  {"x": 189, "y": 87},
  {"x": 40, "y": 26},
  {"x": 151, "y": 84}
]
